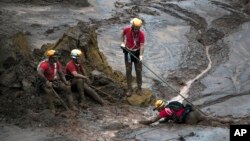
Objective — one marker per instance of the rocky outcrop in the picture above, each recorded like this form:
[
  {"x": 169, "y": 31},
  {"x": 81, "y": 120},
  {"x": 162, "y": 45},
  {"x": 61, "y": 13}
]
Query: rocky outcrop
[
  {"x": 84, "y": 37},
  {"x": 18, "y": 70},
  {"x": 17, "y": 65},
  {"x": 17, "y": 76}
]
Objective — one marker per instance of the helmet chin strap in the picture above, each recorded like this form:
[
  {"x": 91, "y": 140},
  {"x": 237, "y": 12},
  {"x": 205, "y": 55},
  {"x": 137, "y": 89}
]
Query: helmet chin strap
[
  {"x": 75, "y": 61},
  {"x": 135, "y": 28}
]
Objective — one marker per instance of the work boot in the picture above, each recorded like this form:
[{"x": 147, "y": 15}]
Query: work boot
[
  {"x": 129, "y": 93},
  {"x": 51, "y": 105},
  {"x": 73, "y": 108},
  {"x": 105, "y": 103},
  {"x": 139, "y": 91},
  {"x": 71, "y": 103},
  {"x": 84, "y": 106}
]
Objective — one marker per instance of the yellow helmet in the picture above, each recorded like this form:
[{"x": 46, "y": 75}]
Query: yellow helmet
[
  {"x": 75, "y": 53},
  {"x": 50, "y": 53},
  {"x": 136, "y": 22},
  {"x": 159, "y": 104}
]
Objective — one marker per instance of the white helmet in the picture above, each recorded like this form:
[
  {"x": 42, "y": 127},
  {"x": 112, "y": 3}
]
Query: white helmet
[{"x": 75, "y": 53}]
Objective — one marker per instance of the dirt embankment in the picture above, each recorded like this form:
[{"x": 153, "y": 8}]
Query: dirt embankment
[
  {"x": 18, "y": 70},
  {"x": 21, "y": 105},
  {"x": 78, "y": 3}
]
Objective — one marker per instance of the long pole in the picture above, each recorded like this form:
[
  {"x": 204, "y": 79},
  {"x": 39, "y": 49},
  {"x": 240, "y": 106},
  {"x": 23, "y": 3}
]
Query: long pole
[{"x": 67, "y": 108}]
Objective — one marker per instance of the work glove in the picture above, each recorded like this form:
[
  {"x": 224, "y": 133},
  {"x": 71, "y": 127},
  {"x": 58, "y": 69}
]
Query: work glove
[
  {"x": 122, "y": 45},
  {"x": 88, "y": 80},
  {"x": 67, "y": 83},
  {"x": 141, "y": 57},
  {"x": 48, "y": 84}
]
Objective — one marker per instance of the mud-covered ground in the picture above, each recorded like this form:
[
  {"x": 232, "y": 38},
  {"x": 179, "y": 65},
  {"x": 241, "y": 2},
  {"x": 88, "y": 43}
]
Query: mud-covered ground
[{"x": 200, "y": 48}]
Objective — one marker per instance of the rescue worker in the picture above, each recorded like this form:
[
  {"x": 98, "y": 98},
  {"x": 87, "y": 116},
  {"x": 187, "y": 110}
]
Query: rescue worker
[
  {"x": 48, "y": 72},
  {"x": 76, "y": 73},
  {"x": 184, "y": 114},
  {"x": 132, "y": 39}
]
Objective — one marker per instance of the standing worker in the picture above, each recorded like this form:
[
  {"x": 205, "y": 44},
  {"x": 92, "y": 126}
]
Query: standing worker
[
  {"x": 48, "y": 71},
  {"x": 132, "y": 42},
  {"x": 76, "y": 73}
]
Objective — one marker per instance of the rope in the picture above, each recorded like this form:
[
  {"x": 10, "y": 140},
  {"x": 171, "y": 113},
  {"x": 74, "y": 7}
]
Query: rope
[
  {"x": 104, "y": 93},
  {"x": 178, "y": 92}
]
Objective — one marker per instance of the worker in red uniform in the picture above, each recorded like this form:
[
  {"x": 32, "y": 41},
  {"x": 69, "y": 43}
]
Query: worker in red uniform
[
  {"x": 76, "y": 73},
  {"x": 51, "y": 77},
  {"x": 132, "y": 42},
  {"x": 176, "y": 112}
]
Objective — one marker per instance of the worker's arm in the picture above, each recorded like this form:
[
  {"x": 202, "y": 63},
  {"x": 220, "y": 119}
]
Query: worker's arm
[
  {"x": 78, "y": 75},
  {"x": 84, "y": 74},
  {"x": 147, "y": 122},
  {"x": 62, "y": 77},
  {"x": 122, "y": 37},
  {"x": 41, "y": 75},
  {"x": 141, "y": 49}
]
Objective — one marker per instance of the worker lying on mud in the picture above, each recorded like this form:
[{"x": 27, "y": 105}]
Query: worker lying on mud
[
  {"x": 48, "y": 72},
  {"x": 77, "y": 75},
  {"x": 132, "y": 42},
  {"x": 178, "y": 113}
]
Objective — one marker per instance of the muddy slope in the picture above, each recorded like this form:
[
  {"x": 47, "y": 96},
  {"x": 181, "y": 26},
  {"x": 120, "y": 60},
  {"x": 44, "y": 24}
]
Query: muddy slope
[
  {"x": 21, "y": 105},
  {"x": 18, "y": 67}
]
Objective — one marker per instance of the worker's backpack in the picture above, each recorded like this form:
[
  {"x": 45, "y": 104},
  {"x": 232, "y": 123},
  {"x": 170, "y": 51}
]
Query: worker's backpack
[{"x": 175, "y": 105}]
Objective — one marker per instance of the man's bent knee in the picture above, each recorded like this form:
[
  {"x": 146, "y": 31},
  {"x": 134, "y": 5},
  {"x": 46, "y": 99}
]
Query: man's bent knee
[{"x": 79, "y": 81}]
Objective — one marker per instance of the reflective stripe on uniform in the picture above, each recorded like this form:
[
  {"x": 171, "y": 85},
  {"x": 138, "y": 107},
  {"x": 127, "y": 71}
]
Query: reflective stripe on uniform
[{"x": 168, "y": 111}]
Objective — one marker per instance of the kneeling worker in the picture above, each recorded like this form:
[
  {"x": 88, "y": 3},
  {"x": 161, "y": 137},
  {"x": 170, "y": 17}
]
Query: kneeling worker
[
  {"x": 178, "y": 113},
  {"x": 76, "y": 74}
]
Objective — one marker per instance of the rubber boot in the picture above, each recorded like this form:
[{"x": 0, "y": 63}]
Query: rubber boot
[
  {"x": 50, "y": 99},
  {"x": 81, "y": 96},
  {"x": 71, "y": 103},
  {"x": 129, "y": 78}
]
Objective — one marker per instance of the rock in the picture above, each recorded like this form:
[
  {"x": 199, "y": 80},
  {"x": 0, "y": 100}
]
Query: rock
[
  {"x": 8, "y": 79},
  {"x": 49, "y": 31},
  {"x": 118, "y": 4},
  {"x": 26, "y": 85},
  {"x": 142, "y": 99},
  {"x": 96, "y": 72}
]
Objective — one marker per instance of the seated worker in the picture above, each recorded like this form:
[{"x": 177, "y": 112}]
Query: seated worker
[
  {"x": 179, "y": 113},
  {"x": 77, "y": 74},
  {"x": 48, "y": 71}
]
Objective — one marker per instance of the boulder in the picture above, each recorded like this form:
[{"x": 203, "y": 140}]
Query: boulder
[{"x": 139, "y": 100}]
